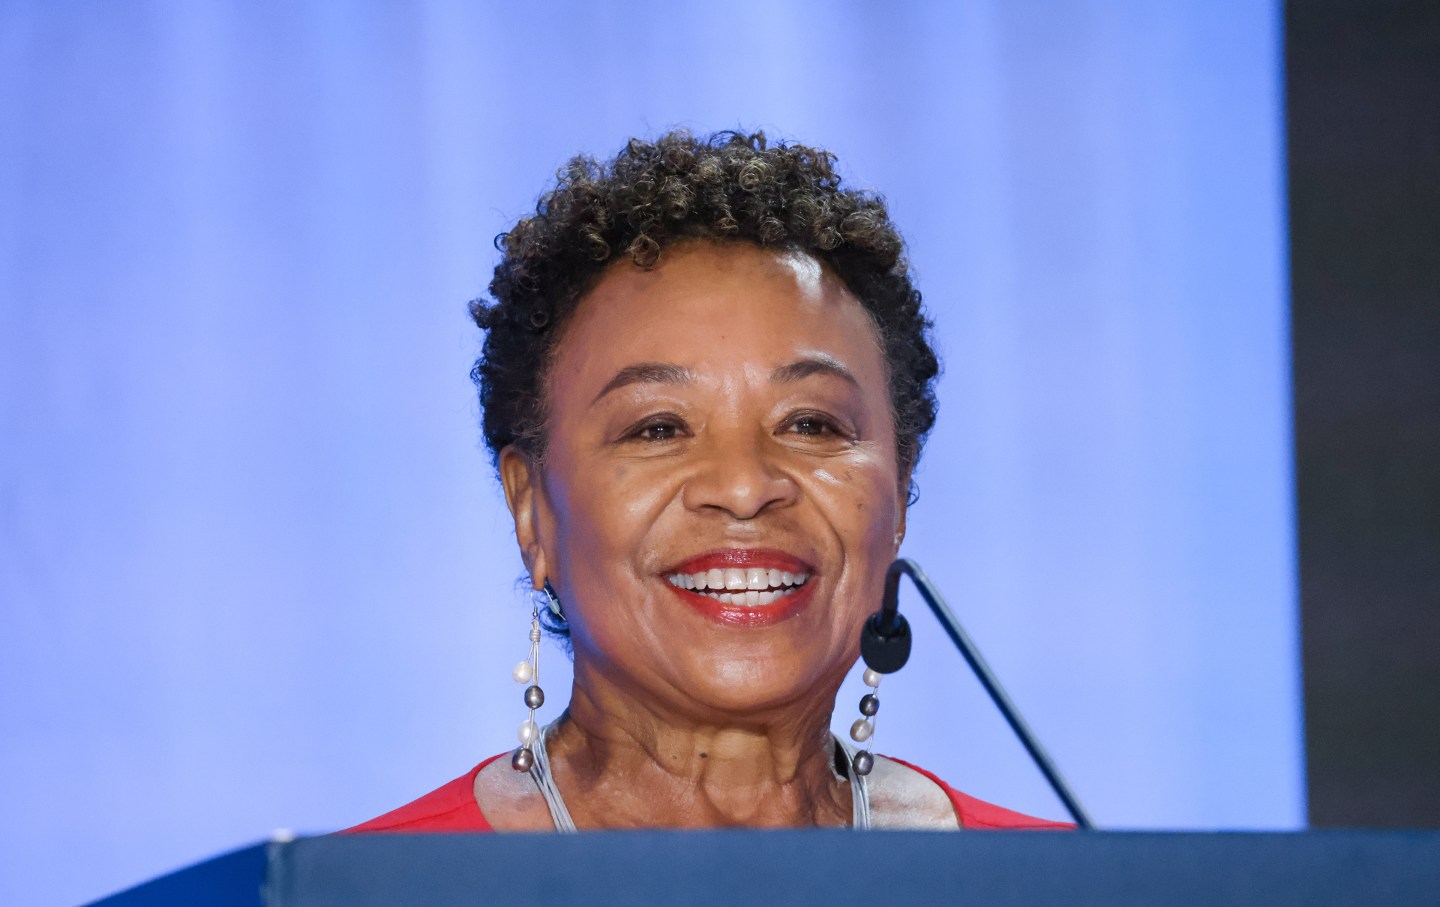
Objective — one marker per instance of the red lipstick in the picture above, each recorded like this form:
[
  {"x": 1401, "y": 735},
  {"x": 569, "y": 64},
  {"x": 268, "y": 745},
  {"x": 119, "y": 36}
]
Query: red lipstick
[
  {"x": 742, "y": 558},
  {"x": 788, "y": 600}
]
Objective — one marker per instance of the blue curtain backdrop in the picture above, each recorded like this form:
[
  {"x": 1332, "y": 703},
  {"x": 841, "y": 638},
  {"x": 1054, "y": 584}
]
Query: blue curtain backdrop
[{"x": 254, "y": 569}]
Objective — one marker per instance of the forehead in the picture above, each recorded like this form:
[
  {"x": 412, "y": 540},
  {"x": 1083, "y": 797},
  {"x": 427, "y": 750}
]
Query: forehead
[{"x": 717, "y": 306}]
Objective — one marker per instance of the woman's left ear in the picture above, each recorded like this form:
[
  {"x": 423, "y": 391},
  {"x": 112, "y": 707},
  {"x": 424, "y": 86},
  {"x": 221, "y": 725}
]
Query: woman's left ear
[
  {"x": 904, "y": 511},
  {"x": 521, "y": 480}
]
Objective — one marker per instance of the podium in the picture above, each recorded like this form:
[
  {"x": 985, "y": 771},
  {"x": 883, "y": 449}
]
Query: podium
[{"x": 827, "y": 867}]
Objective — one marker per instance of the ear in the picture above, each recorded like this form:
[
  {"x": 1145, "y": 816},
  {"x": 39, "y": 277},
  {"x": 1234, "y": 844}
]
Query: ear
[
  {"x": 524, "y": 495},
  {"x": 904, "y": 511}
]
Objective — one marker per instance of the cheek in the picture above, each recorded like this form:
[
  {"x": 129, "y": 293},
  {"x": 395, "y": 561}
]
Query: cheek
[
  {"x": 603, "y": 519},
  {"x": 862, "y": 498}
]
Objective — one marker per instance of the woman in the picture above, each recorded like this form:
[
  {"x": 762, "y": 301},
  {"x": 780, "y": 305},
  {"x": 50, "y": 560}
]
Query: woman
[{"x": 706, "y": 380}]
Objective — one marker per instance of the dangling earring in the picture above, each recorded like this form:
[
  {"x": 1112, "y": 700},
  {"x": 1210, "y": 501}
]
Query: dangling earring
[
  {"x": 864, "y": 727},
  {"x": 552, "y": 601},
  {"x": 884, "y": 647},
  {"x": 528, "y": 672}
]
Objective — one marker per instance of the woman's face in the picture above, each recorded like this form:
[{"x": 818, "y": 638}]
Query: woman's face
[{"x": 720, "y": 497}]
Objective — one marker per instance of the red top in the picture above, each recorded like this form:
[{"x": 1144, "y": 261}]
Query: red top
[{"x": 452, "y": 808}]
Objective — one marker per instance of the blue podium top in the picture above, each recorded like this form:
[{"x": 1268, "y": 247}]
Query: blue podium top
[{"x": 815, "y": 867}]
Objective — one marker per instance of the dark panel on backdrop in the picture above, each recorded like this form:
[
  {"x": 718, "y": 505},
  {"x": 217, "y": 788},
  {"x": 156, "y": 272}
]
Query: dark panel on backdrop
[{"x": 1364, "y": 133}]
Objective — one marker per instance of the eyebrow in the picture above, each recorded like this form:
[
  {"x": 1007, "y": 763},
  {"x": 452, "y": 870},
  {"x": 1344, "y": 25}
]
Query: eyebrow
[
  {"x": 646, "y": 373},
  {"x": 668, "y": 373},
  {"x": 813, "y": 365}
]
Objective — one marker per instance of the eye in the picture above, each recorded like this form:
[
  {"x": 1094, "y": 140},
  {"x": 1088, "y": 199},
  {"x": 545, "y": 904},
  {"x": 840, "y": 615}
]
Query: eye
[
  {"x": 811, "y": 425},
  {"x": 665, "y": 427},
  {"x": 815, "y": 425}
]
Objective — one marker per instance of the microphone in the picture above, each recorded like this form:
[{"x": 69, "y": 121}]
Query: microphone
[
  {"x": 885, "y": 647},
  {"x": 885, "y": 637}
]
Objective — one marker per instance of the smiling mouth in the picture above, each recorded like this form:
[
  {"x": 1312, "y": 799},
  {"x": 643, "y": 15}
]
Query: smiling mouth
[
  {"x": 753, "y": 587},
  {"x": 744, "y": 587}
]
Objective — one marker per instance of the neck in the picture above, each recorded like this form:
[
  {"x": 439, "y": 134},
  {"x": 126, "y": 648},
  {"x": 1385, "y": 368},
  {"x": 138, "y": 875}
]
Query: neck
[{"x": 621, "y": 764}]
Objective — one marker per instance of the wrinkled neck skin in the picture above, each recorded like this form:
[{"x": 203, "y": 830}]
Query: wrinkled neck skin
[{"x": 624, "y": 764}]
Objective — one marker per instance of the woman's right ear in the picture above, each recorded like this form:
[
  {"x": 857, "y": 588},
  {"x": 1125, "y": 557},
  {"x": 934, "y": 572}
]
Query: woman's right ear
[{"x": 523, "y": 493}]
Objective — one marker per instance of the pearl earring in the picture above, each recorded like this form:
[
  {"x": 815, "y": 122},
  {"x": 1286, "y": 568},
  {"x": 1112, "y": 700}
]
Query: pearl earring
[
  {"x": 528, "y": 672},
  {"x": 864, "y": 727}
]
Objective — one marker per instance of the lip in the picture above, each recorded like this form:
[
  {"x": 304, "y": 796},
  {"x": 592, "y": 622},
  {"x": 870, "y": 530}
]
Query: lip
[
  {"x": 733, "y": 615},
  {"x": 764, "y": 558}
]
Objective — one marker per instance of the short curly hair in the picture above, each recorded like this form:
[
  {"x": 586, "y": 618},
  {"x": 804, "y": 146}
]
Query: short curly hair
[{"x": 728, "y": 187}]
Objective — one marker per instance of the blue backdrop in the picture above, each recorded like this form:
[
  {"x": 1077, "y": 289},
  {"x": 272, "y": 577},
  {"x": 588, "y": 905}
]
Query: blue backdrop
[{"x": 254, "y": 569}]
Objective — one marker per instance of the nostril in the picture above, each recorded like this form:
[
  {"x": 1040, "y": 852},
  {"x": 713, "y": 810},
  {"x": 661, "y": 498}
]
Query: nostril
[{"x": 737, "y": 477}]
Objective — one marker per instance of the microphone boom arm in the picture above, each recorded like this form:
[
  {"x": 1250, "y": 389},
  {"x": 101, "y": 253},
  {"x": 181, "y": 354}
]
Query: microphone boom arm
[{"x": 889, "y": 617}]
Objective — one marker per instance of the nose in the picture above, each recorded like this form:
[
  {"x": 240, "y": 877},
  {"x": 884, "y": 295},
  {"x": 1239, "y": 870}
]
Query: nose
[{"x": 740, "y": 477}]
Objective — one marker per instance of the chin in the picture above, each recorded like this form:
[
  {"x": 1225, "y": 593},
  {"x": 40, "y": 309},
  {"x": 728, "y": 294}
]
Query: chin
[{"x": 756, "y": 685}]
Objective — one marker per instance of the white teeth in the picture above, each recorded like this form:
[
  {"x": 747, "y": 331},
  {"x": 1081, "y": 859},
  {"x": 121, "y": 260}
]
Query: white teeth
[{"x": 749, "y": 587}]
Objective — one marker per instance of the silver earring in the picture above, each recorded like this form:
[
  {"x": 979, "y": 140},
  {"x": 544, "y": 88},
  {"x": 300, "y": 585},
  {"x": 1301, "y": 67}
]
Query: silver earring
[
  {"x": 552, "y": 601},
  {"x": 864, "y": 727},
  {"x": 528, "y": 673}
]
